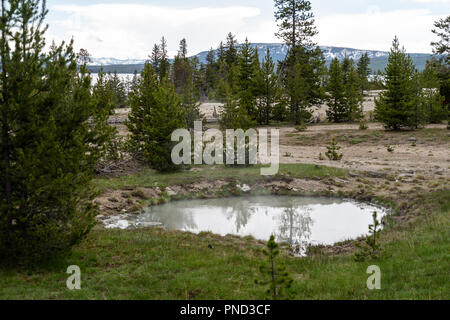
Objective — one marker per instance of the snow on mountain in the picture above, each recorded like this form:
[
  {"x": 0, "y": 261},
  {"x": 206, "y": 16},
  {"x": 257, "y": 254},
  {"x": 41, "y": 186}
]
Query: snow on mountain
[
  {"x": 114, "y": 61},
  {"x": 278, "y": 52}
]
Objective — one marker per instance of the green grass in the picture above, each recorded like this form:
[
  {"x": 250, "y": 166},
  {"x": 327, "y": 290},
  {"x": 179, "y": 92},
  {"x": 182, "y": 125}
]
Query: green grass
[
  {"x": 150, "y": 178},
  {"x": 154, "y": 264}
]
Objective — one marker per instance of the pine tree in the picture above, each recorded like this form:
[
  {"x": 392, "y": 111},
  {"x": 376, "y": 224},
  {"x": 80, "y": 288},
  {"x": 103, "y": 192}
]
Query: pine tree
[
  {"x": 431, "y": 98},
  {"x": 337, "y": 111},
  {"x": 233, "y": 115},
  {"x": 303, "y": 68},
  {"x": 166, "y": 116},
  {"x": 268, "y": 90},
  {"x": 156, "y": 111},
  {"x": 442, "y": 47},
  {"x": 364, "y": 71},
  {"x": 102, "y": 93},
  {"x": 296, "y": 22},
  {"x": 347, "y": 64},
  {"x": 155, "y": 58},
  {"x": 164, "y": 64},
  {"x": 279, "y": 280},
  {"x": 181, "y": 69},
  {"x": 231, "y": 51},
  {"x": 246, "y": 78},
  {"x": 211, "y": 72},
  {"x": 396, "y": 106},
  {"x": 50, "y": 139},
  {"x": 443, "y": 32},
  {"x": 182, "y": 52},
  {"x": 141, "y": 100},
  {"x": 302, "y": 82},
  {"x": 190, "y": 104},
  {"x": 118, "y": 89},
  {"x": 353, "y": 96}
]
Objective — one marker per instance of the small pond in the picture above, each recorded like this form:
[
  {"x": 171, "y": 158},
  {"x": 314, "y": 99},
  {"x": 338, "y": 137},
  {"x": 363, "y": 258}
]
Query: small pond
[{"x": 298, "y": 221}]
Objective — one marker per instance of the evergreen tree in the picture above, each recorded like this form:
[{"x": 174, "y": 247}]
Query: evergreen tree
[
  {"x": 166, "y": 116},
  {"x": 182, "y": 52},
  {"x": 337, "y": 111},
  {"x": 267, "y": 89},
  {"x": 353, "y": 95},
  {"x": 231, "y": 51},
  {"x": 364, "y": 71},
  {"x": 443, "y": 64},
  {"x": 211, "y": 72},
  {"x": 222, "y": 90},
  {"x": 302, "y": 82},
  {"x": 164, "y": 64},
  {"x": 396, "y": 106},
  {"x": 103, "y": 94},
  {"x": 197, "y": 77},
  {"x": 347, "y": 64},
  {"x": 118, "y": 89},
  {"x": 156, "y": 111},
  {"x": 181, "y": 68},
  {"x": 190, "y": 104},
  {"x": 155, "y": 58},
  {"x": 246, "y": 78},
  {"x": 234, "y": 116},
  {"x": 50, "y": 139},
  {"x": 303, "y": 68},
  {"x": 431, "y": 98},
  {"x": 141, "y": 100},
  {"x": 296, "y": 22},
  {"x": 443, "y": 32},
  {"x": 279, "y": 280}
]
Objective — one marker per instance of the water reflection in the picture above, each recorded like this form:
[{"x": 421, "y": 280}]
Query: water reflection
[
  {"x": 294, "y": 220},
  {"x": 295, "y": 228},
  {"x": 239, "y": 211}
]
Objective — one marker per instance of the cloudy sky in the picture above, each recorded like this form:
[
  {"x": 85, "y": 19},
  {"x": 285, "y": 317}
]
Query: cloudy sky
[{"x": 128, "y": 29}]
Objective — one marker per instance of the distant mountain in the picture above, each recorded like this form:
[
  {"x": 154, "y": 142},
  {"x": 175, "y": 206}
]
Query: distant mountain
[
  {"x": 114, "y": 61},
  {"x": 379, "y": 59}
]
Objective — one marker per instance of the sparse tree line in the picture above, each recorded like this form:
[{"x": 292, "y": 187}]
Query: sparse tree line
[{"x": 54, "y": 127}]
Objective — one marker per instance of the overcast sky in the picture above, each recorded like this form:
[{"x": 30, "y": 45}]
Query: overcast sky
[{"x": 128, "y": 29}]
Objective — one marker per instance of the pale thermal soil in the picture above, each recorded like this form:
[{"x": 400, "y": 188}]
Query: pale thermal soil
[{"x": 367, "y": 150}]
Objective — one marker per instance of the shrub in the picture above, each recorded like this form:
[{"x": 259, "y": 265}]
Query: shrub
[
  {"x": 363, "y": 125},
  {"x": 333, "y": 151},
  {"x": 371, "y": 248},
  {"x": 52, "y": 136},
  {"x": 279, "y": 280}
]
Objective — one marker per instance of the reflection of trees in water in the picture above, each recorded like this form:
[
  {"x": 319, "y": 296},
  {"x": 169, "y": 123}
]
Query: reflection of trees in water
[
  {"x": 295, "y": 227},
  {"x": 240, "y": 210},
  {"x": 173, "y": 218}
]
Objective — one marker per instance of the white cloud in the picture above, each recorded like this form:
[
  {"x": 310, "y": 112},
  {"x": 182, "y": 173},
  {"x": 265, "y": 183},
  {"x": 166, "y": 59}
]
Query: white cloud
[
  {"x": 130, "y": 30},
  {"x": 376, "y": 29}
]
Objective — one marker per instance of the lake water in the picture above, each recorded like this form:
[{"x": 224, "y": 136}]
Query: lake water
[{"x": 299, "y": 221}]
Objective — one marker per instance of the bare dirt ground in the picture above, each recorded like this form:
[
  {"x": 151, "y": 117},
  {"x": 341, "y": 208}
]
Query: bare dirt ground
[{"x": 424, "y": 151}]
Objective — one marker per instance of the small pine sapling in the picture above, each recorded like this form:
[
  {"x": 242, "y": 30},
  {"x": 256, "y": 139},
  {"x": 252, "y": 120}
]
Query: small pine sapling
[
  {"x": 279, "y": 279},
  {"x": 333, "y": 151},
  {"x": 371, "y": 249},
  {"x": 363, "y": 125}
]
